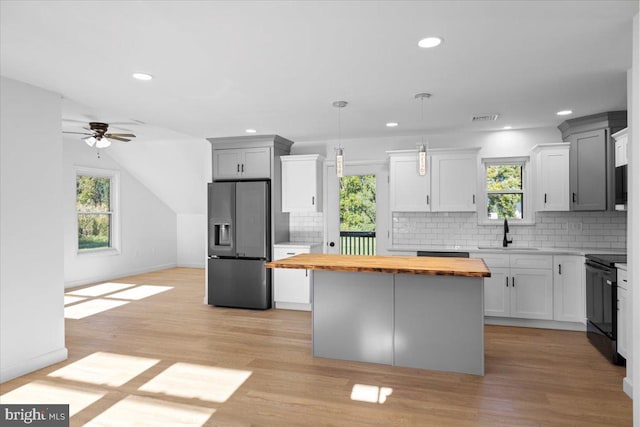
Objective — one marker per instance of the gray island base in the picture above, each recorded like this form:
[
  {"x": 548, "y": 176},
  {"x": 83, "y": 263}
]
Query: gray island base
[
  {"x": 416, "y": 312},
  {"x": 417, "y": 321}
]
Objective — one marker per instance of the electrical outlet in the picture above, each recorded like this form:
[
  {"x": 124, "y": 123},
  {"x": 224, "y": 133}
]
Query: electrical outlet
[{"x": 575, "y": 226}]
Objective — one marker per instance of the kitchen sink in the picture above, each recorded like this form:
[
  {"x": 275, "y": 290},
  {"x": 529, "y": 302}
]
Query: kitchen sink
[{"x": 509, "y": 248}]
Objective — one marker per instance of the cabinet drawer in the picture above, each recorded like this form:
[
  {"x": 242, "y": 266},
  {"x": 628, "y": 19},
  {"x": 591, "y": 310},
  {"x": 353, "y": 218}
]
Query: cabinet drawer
[
  {"x": 279, "y": 253},
  {"x": 494, "y": 260},
  {"x": 531, "y": 261}
]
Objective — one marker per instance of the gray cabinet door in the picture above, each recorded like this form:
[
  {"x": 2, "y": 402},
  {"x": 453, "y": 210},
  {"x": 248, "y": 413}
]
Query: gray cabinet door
[{"x": 588, "y": 171}]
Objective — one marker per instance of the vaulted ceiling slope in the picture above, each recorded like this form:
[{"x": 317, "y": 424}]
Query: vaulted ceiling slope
[{"x": 221, "y": 67}]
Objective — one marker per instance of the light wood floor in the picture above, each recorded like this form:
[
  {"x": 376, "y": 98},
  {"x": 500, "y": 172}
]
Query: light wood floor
[{"x": 534, "y": 377}]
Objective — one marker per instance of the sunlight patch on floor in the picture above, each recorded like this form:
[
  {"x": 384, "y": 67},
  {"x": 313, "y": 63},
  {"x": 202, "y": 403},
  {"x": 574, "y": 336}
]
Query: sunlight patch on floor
[
  {"x": 88, "y": 308},
  {"x": 370, "y": 393},
  {"x": 140, "y": 292},
  {"x": 101, "y": 289},
  {"x": 138, "y": 411},
  {"x": 105, "y": 369},
  {"x": 209, "y": 383},
  {"x": 41, "y": 392},
  {"x": 68, "y": 299}
]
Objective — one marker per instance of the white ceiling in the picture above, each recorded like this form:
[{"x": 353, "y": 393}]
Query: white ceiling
[{"x": 221, "y": 67}]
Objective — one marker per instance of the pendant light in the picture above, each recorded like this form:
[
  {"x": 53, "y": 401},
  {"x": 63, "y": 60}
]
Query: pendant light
[
  {"x": 339, "y": 150},
  {"x": 422, "y": 149}
]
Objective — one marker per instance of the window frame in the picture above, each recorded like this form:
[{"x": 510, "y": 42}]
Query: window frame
[
  {"x": 114, "y": 204},
  {"x": 527, "y": 193}
]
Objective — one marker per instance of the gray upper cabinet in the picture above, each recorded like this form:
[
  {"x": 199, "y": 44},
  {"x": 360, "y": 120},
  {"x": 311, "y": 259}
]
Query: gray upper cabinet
[
  {"x": 588, "y": 171},
  {"x": 591, "y": 159}
]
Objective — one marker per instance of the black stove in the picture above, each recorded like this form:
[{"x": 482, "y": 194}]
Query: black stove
[
  {"x": 607, "y": 259},
  {"x": 602, "y": 303}
]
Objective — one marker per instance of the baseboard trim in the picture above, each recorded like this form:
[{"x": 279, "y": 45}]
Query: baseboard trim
[
  {"x": 535, "y": 323},
  {"x": 105, "y": 277},
  {"x": 627, "y": 386},
  {"x": 293, "y": 306},
  {"x": 33, "y": 364},
  {"x": 189, "y": 265}
]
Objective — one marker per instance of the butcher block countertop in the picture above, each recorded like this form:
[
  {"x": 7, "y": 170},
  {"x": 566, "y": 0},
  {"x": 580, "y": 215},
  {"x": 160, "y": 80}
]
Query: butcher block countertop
[{"x": 440, "y": 266}]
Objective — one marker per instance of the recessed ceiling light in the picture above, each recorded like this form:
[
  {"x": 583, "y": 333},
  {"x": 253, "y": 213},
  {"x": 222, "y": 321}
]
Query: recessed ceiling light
[
  {"x": 392, "y": 124},
  {"x": 430, "y": 42},
  {"x": 564, "y": 112},
  {"x": 250, "y": 130},
  {"x": 507, "y": 127},
  {"x": 142, "y": 76}
]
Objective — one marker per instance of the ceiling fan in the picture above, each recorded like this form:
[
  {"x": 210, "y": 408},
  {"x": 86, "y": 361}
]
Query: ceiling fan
[{"x": 99, "y": 137}]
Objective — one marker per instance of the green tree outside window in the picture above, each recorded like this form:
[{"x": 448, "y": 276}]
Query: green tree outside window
[
  {"x": 93, "y": 207},
  {"x": 505, "y": 191}
]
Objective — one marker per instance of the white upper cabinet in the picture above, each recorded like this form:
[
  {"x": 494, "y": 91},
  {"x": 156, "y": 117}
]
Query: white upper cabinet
[
  {"x": 621, "y": 144},
  {"x": 551, "y": 180},
  {"x": 242, "y": 163},
  {"x": 302, "y": 183},
  {"x": 409, "y": 191},
  {"x": 454, "y": 175}
]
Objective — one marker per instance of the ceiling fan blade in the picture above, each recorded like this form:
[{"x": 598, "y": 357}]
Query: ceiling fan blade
[
  {"x": 117, "y": 138},
  {"x": 126, "y": 135},
  {"x": 78, "y": 133}
]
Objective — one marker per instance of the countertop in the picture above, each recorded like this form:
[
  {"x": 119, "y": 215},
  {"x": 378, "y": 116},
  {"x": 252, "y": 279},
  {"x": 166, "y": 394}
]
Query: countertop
[
  {"x": 464, "y": 267},
  {"x": 296, "y": 244},
  {"x": 509, "y": 250}
]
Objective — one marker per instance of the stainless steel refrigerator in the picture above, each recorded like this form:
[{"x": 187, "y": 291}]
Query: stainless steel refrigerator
[{"x": 239, "y": 244}]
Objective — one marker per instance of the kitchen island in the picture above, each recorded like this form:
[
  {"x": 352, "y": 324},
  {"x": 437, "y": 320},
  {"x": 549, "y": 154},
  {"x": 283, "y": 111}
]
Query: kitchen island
[{"x": 418, "y": 312}]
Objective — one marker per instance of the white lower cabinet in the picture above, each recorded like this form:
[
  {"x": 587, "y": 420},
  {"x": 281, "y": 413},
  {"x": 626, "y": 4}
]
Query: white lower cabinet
[
  {"x": 623, "y": 315},
  {"x": 520, "y": 286},
  {"x": 569, "y": 288},
  {"x": 292, "y": 287}
]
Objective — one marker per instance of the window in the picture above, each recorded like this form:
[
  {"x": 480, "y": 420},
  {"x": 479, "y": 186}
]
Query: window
[
  {"x": 358, "y": 215},
  {"x": 505, "y": 184},
  {"x": 96, "y": 209}
]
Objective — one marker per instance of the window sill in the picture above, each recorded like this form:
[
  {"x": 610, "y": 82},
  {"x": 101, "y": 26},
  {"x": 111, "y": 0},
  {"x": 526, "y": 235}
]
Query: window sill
[{"x": 98, "y": 252}]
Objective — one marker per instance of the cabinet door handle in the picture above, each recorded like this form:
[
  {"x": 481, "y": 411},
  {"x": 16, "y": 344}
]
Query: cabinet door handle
[
  {"x": 291, "y": 253},
  {"x": 474, "y": 199},
  {"x": 573, "y": 197},
  {"x": 545, "y": 197},
  {"x": 559, "y": 268},
  {"x": 243, "y": 168},
  {"x": 306, "y": 273},
  {"x": 427, "y": 199},
  {"x": 238, "y": 169},
  {"x": 313, "y": 200},
  {"x": 506, "y": 281},
  {"x": 513, "y": 282}
]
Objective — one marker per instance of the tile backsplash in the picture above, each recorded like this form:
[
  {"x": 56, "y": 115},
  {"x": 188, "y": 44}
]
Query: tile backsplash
[
  {"x": 307, "y": 227},
  {"x": 606, "y": 230}
]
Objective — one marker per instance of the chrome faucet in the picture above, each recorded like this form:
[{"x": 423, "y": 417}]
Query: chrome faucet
[{"x": 506, "y": 242}]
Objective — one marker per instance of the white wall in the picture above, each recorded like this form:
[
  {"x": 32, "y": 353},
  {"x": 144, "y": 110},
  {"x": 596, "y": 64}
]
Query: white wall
[
  {"x": 494, "y": 144},
  {"x": 192, "y": 240},
  {"x": 177, "y": 171},
  {"x": 148, "y": 226},
  {"x": 31, "y": 230}
]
